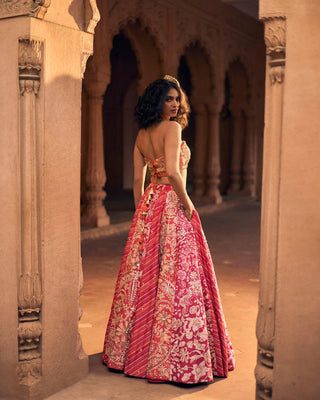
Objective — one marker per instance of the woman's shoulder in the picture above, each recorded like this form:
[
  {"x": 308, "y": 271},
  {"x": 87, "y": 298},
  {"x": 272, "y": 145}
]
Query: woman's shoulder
[
  {"x": 171, "y": 124},
  {"x": 171, "y": 128},
  {"x": 139, "y": 134},
  {"x": 161, "y": 130}
]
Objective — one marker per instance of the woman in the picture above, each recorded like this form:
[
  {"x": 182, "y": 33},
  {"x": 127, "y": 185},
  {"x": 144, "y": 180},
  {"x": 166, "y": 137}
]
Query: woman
[{"x": 166, "y": 322}]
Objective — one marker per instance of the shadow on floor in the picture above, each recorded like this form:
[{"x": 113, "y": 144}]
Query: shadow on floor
[{"x": 121, "y": 383}]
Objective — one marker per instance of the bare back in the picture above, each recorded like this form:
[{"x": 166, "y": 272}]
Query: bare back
[
  {"x": 163, "y": 140},
  {"x": 150, "y": 142}
]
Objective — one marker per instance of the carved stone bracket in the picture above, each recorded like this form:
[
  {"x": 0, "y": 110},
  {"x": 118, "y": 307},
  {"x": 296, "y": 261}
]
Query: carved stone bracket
[
  {"x": 29, "y": 372},
  {"x": 86, "y": 50},
  {"x": 92, "y": 15},
  {"x": 275, "y": 33},
  {"x": 30, "y": 58},
  {"x": 14, "y": 8},
  {"x": 275, "y": 39}
]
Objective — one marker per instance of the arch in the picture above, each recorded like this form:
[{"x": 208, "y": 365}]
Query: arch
[
  {"x": 129, "y": 133},
  {"x": 145, "y": 33},
  {"x": 196, "y": 63},
  {"x": 232, "y": 55},
  {"x": 184, "y": 77},
  {"x": 129, "y": 26},
  {"x": 235, "y": 150},
  {"x": 200, "y": 60},
  {"x": 144, "y": 29},
  {"x": 225, "y": 134},
  {"x": 191, "y": 32},
  {"x": 144, "y": 44},
  {"x": 239, "y": 85},
  {"x": 152, "y": 17},
  {"x": 201, "y": 70},
  {"x": 140, "y": 48},
  {"x": 120, "y": 92}
]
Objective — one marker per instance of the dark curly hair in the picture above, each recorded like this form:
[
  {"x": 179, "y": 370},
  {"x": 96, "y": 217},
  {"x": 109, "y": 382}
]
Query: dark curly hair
[{"x": 149, "y": 107}]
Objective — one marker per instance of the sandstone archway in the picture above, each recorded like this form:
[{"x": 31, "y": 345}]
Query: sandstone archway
[
  {"x": 120, "y": 96},
  {"x": 116, "y": 79},
  {"x": 184, "y": 77},
  {"x": 236, "y": 133},
  {"x": 202, "y": 100}
]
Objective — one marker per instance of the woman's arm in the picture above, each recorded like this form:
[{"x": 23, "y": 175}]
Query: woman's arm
[
  {"x": 172, "y": 145},
  {"x": 139, "y": 165}
]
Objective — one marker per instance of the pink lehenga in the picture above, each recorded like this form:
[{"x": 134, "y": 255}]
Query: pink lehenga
[{"x": 166, "y": 321}]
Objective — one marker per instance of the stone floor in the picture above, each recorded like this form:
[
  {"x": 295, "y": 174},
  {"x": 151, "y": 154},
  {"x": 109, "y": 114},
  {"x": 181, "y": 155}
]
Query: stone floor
[{"x": 233, "y": 236}]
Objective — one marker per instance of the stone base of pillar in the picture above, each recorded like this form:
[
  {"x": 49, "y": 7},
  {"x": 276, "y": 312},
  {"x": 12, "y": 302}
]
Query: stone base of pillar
[
  {"x": 236, "y": 192},
  {"x": 248, "y": 191},
  {"x": 213, "y": 197},
  {"x": 196, "y": 196},
  {"x": 198, "y": 191},
  {"x": 95, "y": 217}
]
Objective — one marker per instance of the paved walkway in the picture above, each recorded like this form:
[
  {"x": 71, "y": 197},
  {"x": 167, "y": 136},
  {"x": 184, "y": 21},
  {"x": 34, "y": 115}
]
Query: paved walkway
[{"x": 233, "y": 235}]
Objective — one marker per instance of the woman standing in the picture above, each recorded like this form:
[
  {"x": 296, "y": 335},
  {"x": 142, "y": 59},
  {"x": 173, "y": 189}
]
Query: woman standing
[{"x": 166, "y": 321}]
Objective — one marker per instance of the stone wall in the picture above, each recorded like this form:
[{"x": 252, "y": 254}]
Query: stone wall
[
  {"x": 43, "y": 58},
  {"x": 288, "y": 325}
]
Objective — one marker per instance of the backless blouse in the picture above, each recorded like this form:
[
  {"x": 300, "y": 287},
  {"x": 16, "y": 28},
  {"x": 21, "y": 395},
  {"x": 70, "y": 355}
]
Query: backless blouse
[{"x": 157, "y": 167}]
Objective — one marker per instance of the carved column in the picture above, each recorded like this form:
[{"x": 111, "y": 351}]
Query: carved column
[
  {"x": 249, "y": 170},
  {"x": 275, "y": 28},
  {"x": 236, "y": 152},
  {"x": 94, "y": 213},
  {"x": 213, "y": 166},
  {"x": 199, "y": 151},
  {"x": 30, "y": 297}
]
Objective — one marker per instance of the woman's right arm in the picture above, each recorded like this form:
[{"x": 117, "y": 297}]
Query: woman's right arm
[
  {"x": 172, "y": 145},
  {"x": 140, "y": 167}
]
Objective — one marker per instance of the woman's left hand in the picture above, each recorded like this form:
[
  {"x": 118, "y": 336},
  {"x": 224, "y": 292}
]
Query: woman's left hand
[{"x": 189, "y": 213}]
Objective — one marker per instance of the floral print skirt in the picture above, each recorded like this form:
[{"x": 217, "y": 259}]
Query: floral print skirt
[{"x": 166, "y": 321}]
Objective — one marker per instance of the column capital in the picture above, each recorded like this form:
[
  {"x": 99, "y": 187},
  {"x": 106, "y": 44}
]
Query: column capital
[
  {"x": 199, "y": 108},
  {"x": 275, "y": 34},
  {"x": 214, "y": 109},
  {"x": 30, "y": 59},
  {"x": 96, "y": 84},
  {"x": 275, "y": 40}
]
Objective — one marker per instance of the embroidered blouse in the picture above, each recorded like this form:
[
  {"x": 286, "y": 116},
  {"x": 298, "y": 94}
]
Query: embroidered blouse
[{"x": 157, "y": 167}]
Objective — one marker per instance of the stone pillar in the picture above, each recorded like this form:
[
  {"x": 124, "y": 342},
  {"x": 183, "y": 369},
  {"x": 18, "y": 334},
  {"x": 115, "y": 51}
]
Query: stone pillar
[
  {"x": 236, "y": 152},
  {"x": 275, "y": 41},
  {"x": 249, "y": 157},
  {"x": 213, "y": 165},
  {"x": 30, "y": 293},
  {"x": 94, "y": 212},
  {"x": 40, "y": 274},
  {"x": 200, "y": 151}
]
